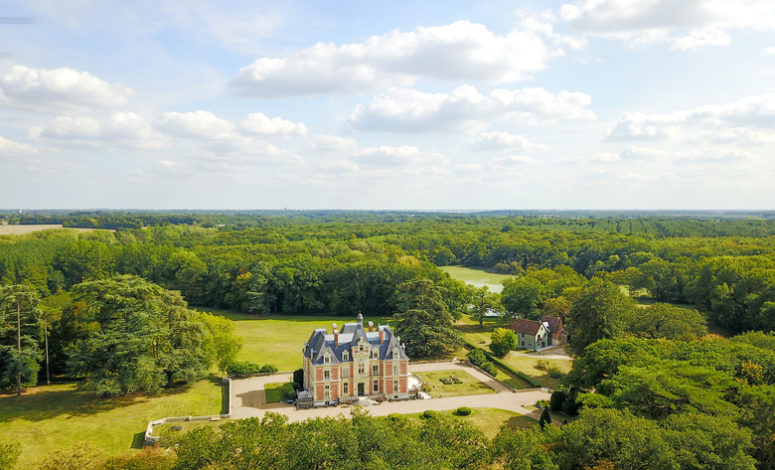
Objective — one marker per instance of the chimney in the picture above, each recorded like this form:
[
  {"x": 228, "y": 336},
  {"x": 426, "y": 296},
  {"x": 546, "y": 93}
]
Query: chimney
[
  {"x": 336, "y": 337},
  {"x": 381, "y": 335},
  {"x": 371, "y": 326}
]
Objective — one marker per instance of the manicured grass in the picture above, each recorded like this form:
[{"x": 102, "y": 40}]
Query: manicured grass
[
  {"x": 50, "y": 417},
  {"x": 277, "y": 392},
  {"x": 531, "y": 366},
  {"x": 470, "y": 385},
  {"x": 489, "y": 420},
  {"x": 477, "y": 277},
  {"x": 480, "y": 335},
  {"x": 279, "y": 339}
]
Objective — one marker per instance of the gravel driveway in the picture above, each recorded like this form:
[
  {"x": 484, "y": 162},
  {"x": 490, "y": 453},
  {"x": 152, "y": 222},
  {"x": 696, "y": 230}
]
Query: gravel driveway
[{"x": 249, "y": 399}]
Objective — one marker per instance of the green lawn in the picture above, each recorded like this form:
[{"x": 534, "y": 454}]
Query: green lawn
[
  {"x": 279, "y": 339},
  {"x": 277, "y": 392},
  {"x": 537, "y": 368},
  {"x": 480, "y": 335},
  {"x": 490, "y": 420},
  {"x": 477, "y": 277},
  {"x": 470, "y": 385},
  {"x": 50, "y": 417}
]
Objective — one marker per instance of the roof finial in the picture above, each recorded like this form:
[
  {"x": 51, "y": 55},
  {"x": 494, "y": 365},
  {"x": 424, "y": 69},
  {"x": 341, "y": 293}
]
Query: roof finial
[{"x": 360, "y": 318}]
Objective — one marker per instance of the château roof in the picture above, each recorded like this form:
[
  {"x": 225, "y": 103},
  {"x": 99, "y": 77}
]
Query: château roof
[{"x": 352, "y": 335}]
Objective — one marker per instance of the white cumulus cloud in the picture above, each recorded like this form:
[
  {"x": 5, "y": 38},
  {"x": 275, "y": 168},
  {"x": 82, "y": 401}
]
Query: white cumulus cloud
[
  {"x": 685, "y": 24},
  {"x": 197, "y": 124},
  {"x": 457, "y": 51},
  {"x": 259, "y": 123},
  {"x": 746, "y": 121},
  {"x": 117, "y": 129},
  {"x": 504, "y": 141},
  {"x": 407, "y": 110},
  {"x": 52, "y": 90}
]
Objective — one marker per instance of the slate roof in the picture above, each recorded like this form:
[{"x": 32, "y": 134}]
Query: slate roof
[
  {"x": 352, "y": 334},
  {"x": 529, "y": 327}
]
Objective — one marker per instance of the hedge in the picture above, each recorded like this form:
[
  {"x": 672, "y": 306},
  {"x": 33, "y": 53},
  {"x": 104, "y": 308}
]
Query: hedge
[{"x": 502, "y": 364}]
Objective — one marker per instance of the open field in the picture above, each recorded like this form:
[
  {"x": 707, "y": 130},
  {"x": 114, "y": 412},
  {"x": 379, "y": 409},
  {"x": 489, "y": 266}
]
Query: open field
[
  {"x": 279, "y": 339},
  {"x": 470, "y": 385},
  {"x": 477, "y": 277},
  {"x": 50, "y": 417},
  {"x": 22, "y": 229}
]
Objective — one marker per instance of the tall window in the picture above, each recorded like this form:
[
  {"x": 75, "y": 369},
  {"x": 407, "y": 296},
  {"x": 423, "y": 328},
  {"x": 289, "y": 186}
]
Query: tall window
[
  {"x": 360, "y": 368},
  {"x": 376, "y": 385},
  {"x": 326, "y": 374},
  {"x": 345, "y": 371},
  {"x": 346, "y": 388},
  {"x": 327, "y": 391},
  {"x": 395, "y": 386},
  {"x": 375, "y": 369},
  {"x": 345, "y": 356}
]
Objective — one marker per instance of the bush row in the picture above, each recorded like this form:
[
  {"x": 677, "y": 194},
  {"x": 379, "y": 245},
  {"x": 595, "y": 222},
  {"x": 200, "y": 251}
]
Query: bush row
[{"x": 246, "y": 369}]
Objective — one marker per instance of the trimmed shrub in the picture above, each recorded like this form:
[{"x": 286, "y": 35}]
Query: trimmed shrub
[
  {"x": 298, "y": 379},
  {"x": 463, "y": 411},
  {"x": 477, "y": 357},
  {"x": 555, "y": 373},
  {"x": 557, "y": 400},
  {"x": 429, "y": 414},
  {"x": 246, "y": 369},
  {"x": 489, "y": 367}
]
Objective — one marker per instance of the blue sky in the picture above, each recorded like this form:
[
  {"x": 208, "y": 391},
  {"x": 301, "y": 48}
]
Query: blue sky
[{"x": 582, "y": 104}]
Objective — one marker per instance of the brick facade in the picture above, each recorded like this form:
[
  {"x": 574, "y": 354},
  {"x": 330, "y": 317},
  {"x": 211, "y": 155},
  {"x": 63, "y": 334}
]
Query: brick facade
[{"x": 355, "y": 362}]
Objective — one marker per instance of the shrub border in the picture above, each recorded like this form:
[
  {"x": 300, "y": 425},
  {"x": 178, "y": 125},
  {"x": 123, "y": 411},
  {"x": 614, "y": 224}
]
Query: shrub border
[{"x": 520, "y": 375}]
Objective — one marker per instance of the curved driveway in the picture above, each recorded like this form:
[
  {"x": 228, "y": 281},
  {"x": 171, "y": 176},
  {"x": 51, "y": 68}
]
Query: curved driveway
[{"x": 249, "y": 399}]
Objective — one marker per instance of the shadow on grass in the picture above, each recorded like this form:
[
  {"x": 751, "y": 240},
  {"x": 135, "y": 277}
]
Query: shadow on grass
[
  {"x": 137, "y": 440},
  {"x": 521, "y": 422},
  {"x": 39, "y": 403}
]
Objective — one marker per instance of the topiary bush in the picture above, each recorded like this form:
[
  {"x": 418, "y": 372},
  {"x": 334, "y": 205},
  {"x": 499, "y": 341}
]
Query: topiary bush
[
  {"x": 298, "y": 379},
  {"x": 556, "y": 401},
  {"x": 489, "y": 367},
  {"x": 555, "y": 373},
  {"x": 429, "y": 414},
  {"x": 463, "y": 411},
  {"x": 477, "y": 357}
]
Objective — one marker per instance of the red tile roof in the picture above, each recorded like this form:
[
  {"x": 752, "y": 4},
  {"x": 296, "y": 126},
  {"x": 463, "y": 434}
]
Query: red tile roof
[
  {"x": 529, "y": 327},
  {"x": 555, "y": 324}
]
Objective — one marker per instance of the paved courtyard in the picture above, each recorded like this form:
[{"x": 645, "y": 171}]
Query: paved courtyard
[{"x": 249, "y": 399}]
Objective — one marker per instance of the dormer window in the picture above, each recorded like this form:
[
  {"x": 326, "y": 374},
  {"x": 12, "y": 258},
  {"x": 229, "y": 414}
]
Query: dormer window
[
  {"x": 345, "y": 356},
  {"x": 326, "y": 359}
]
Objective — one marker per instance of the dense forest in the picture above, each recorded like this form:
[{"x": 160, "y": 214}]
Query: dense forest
[
  {"x": 342, "y": 263},
  {"x": 649, "y": 387}
]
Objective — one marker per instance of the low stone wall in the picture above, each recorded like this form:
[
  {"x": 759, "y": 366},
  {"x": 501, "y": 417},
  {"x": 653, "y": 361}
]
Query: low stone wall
[{"x": 150, "y": 439}]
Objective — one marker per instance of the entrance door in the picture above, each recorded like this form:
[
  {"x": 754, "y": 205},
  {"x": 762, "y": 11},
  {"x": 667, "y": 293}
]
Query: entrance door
[{"x": 360, "y": 390}]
